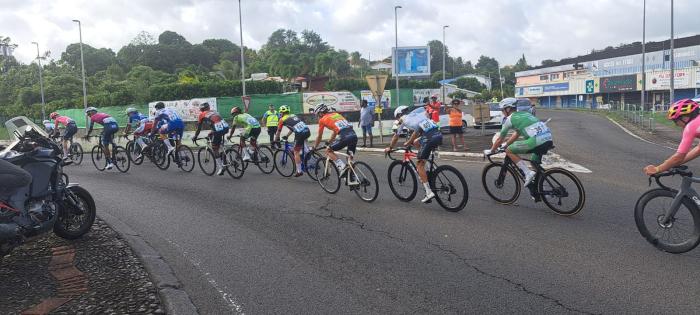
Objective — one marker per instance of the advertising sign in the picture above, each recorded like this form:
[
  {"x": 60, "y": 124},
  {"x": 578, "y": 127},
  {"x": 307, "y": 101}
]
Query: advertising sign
[
  {"x": 411, "y": 61},
  {"x": 187, "y": 109},
  {"x": 340, "y": 101},
  {"x": 420, "y": 94},
  {"x": 371, "y": 102},
  {"x": 556, "y": 87},
  {"x": 662, "y": 80},
  {"x": 697, "y": 77},
  {"x": 535, "y": 90},
  {"x": 590, "y": 86},
  {"x": 618, "y": 83}
]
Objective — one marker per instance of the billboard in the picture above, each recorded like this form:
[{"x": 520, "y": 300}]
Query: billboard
[
  {"x": 411, "y": 61},
  {"x": 187, "y": 109},
  {"x": 371, "y": 103},
  {"x": 557, "y": 87},
  {"x": 342, "y": 101},
  {"x": 618, "y": 83},
  {"x": 662, "y": 80}
]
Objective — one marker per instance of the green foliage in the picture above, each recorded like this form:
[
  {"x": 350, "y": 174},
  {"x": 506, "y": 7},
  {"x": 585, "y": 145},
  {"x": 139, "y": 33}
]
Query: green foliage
[
  {"x": 470, "y": 84},
  {"x": 178, "y": 91}
]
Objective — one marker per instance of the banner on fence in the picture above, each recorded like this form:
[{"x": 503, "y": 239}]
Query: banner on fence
[
  {"x": 341, "y": 101},
  {"x": 420, "y": 94},
  {"x": 662, "y": 80},
  {"x": 188, "y": 109},
  {"x": 371, "y": 102}
]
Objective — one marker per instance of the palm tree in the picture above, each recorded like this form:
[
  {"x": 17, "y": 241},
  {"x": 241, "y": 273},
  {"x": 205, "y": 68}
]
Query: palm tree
[{"x": 226, "y": 70}]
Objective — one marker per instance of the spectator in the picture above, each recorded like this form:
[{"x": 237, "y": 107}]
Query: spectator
[
  {"x": 270, "y": 120},
  {"x": 434, "y": 108},
  {"x": 366, "y": 123},
  {"x": 455, "y": 123}
]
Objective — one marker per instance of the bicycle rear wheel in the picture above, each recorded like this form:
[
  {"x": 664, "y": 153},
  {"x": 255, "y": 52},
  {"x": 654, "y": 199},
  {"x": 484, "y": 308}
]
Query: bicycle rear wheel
[
  {"x": 135, "y": 152},
  {"x": 121, "y": 159},
  {"x": 98, "y": 158},
  {"x": 265, "y": 161},
  {"x": 402, "y": 180},
  {"x": 309, "y": 165},
  {"x": 561, "y": 191},
  {"x": 185, "y": 158},
  {"x": 680, "y": 234},
  {"x": 501, "y": 183},
  {"x": 75, "y": 151},
  {"x": 368, "y": 189},
  {"x": 235, "y": 166},
  {"x": 284, "y": 162},
  {"x": 161, "y": 156},
  {"x": 450, "y": 188},
  {"x": 205, "y": 158},
  {"x": 327, "y": 175}
]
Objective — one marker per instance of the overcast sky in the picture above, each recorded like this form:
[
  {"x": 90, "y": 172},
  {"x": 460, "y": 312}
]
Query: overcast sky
[{"x": 505, "y": 29}]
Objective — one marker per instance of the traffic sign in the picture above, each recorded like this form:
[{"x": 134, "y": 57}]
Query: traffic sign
[
  {"x": 376, "y": 84},
  {"x": 246, "y": 102}
]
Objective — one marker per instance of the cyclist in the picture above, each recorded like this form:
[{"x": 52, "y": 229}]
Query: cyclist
[
  {"x": 430, "y": 139},
  {"x": 251, "y": 128},
  {"x": 301, "y": 133},
  {"x": 169, "y": 123},
  {"x": 212, "y": 120},
  {"x": 143, "y": 125},
  {"x": 110, "y": 128},
  {"x": 48, "y": 126},
  {"x": 70, "y": 129},
  {"x": 536, "y": 136},
  {"x": 683, "y": 113},
  {"x": 341, "y": 128}
]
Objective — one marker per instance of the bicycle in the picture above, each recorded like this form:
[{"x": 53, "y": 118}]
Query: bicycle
[
  {"x": 261, "y": 156},
  {"x": 137, "y": 153},
  {"x": 75, "y": 150},
  {"x": 444, "y": 180},
  {"x": 286, "y": 165},
  {"x": 182, "y": 156},
  {"x": 546, "y": 186},
  {"x": 120, "y": 158},
  {"x": 359, "y": 177},
  {"x": 659, "y": 210},
  {"x": 231, "y": 160}
]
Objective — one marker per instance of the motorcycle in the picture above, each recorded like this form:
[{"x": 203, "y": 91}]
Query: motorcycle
[{"x": 50, "y": 202}]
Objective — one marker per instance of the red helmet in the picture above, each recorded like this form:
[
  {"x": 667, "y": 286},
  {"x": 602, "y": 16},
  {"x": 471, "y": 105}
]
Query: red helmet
[
  {"x": 53, "y": 115},
  {"x": 681, "y": 108}
]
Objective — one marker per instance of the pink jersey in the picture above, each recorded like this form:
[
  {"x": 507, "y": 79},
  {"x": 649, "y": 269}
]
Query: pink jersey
[
  {"x": 690, "y": 132},
  {"x": 63, "y": 120},
  {"x": 102, "y": 118}
]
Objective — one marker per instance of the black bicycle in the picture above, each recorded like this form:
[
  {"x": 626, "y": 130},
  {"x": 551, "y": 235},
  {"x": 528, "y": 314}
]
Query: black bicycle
[
  {"x": 448, "y": 184},
  {"x": 560, "y": 189},
  {"x": 120, "y": 158}
]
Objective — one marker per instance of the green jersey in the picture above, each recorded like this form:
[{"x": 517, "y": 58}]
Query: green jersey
[
  {"x": 526, "y": 125},
  {"x": 246, "y": 121}
]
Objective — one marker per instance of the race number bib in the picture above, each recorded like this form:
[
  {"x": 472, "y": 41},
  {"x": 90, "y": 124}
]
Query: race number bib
[
  {"x": 427, "y": 125},
  {"x": 220, "y": 126},
  {"x": 299, "y": 127},
  {"x": 251, "y": 121},
  {"x": 537, "y": 129},
  {"x": 342, "y": 124}
]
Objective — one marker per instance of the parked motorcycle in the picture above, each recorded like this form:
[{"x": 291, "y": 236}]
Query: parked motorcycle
[{"x": 51, "y": 203}]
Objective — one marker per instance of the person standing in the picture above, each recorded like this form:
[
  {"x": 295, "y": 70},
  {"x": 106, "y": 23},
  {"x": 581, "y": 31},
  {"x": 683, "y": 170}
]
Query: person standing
[
  {"x": 435, "y": 108},
  {"x": 366, "y": 123},
  {"x": 270, "y": 120},
  {"x": 455, "y": 122}
]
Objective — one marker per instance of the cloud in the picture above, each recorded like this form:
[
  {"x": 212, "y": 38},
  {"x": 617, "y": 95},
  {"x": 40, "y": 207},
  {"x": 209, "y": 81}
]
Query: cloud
[{"x": 504, "y": 29}]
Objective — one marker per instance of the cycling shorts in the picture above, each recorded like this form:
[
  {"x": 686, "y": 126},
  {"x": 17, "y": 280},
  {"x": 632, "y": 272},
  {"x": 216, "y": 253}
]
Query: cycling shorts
[
  {"x": 71, "y": 130},
  {"x": 346, "y": 138},
  {"x": 300, "y": 138},
  {"x": 217, "y": 137},
  {"x": 253, "y": 134},
  {"x": 429, "y": 142},
  {"x": 108, "y": 133}
]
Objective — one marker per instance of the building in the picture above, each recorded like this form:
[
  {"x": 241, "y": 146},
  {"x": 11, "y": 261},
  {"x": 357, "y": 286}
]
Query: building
[
  {"x": 482, "y": 79},
  {"x": 614, "y": 76}
]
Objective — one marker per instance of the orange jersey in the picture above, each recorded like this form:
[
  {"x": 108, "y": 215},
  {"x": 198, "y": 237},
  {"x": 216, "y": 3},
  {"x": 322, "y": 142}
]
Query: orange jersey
[
  {"x": 333, "y": 121},
  {"x": 455, "y": 117}
]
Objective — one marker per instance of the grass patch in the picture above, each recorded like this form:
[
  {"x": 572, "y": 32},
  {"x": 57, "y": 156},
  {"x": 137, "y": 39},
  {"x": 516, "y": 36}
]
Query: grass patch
[{"x": 4, "y": 135}]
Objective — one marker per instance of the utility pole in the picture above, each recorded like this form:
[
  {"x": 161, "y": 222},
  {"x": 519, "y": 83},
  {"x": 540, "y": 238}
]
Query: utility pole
[
  {"x": 673, "y": 77},
  {"x": 41, "y": 82},
  {"x": 644, "y": 72},
  {"x": 394, "y": 58},
  {"x": 444, "y": 53},
  {"x": 82, "y": 63},
  {"x": 240, "y": 27}
]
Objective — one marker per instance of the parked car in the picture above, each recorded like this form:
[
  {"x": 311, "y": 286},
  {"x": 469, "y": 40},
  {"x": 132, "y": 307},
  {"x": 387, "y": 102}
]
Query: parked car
[{"x": 496, "y": 117}]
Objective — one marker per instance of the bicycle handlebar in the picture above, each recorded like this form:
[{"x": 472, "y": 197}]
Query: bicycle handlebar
[
  {"x": 678, "y": 170},
  {"x": 397, "y": 149}
]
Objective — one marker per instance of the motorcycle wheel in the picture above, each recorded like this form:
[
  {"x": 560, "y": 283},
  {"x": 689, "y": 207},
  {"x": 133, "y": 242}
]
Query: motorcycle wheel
[{"x": 76, "y": 214}]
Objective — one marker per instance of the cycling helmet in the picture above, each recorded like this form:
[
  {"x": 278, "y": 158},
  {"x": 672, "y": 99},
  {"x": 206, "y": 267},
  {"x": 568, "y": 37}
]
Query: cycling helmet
[
  {"x": 46, "y": 121},
  {"x": 400, "y": 110},
  {"x": 131, "y": 110},
  {"x": 681, "y": 108},
  {"x": 160, "y": 105},
  {"x": 508, "y": 102},
  {"x": 90, "y": 109},
  {"x": 204, "y": 106},
  {"x": 235, "y": 111},
  {"x": 53, "y": 115},
  {"x": 284, "y": 109},
  {"x": 321, "y": 108},
  {"x": 434, "y": 96}
]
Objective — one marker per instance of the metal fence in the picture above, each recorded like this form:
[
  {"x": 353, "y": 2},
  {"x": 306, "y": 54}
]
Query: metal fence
[{"x": 638, "y": 115}]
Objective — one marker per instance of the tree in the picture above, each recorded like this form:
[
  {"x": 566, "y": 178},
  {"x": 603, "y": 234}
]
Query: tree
[
  {"x": 172, "y": 38},
  {"x": 144, "y": 38},
  {"x": 95, "y": 59},
  {"x": 470, "y": 84},
  {"x": 521, "y": 65},
  {"x": 436, "y": 48},
  {"x": 227, "y": 70},
  {"x": 548, "y": 62}
]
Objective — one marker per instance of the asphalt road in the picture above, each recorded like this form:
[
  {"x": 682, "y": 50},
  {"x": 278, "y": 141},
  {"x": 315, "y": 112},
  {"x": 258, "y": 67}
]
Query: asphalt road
[{"x": 266, "y": 244}]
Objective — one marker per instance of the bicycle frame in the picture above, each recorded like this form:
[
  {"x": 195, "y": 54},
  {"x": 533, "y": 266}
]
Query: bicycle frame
[
  {"x": 686, "y": 190},
  {"x": 289, "y": 153},
  {"x": 350, "y": 165}
]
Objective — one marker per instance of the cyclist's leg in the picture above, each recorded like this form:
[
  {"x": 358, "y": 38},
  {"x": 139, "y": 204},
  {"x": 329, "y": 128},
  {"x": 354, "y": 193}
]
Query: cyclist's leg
[
  {"x": 521, "y": 147},
  {"x": 430, "y": 141},
  {"x": 299, "y": 143},
  {"x": 165, "y": 130},
  {"x": 68, "y": 134}
]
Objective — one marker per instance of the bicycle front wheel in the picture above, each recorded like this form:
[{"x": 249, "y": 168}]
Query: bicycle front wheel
[
  {"x": 185, "y": 158},
  {"x": 500, "y": 183},
  {"x": 310, "y": 160},
  {"x": 234, "y": 163},
  {"x": 162, "y": 157},
  {"x": 679, "y": 234},
  {"x": 121, "y": 159},
  {"x": 327, "y": 175},
  {"x": 561, "y": 191},
  {"x": 205, "y": 158},
  {"x": 75, "y": 152},
  {"x": 402, "y": 180},
  {"x": 134, "y": 151},
  {"x": 450, "y": 188},
  {"x": 284, "y": 162},
  {"x": 98, "y": 158},
  {"x": 368, "y": 188},
  {"x": 266, "y": 163}
]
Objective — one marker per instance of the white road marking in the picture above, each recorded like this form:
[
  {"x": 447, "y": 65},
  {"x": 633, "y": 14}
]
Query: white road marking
[{"x": 636, "y": 136}]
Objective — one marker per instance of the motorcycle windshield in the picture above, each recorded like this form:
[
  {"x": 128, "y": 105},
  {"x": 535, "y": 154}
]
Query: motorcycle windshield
[{"x": 21, "y": 125}]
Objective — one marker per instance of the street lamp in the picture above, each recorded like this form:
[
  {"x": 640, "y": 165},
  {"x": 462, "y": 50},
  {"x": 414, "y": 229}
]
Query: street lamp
[
  {"x": 41, "y": 82},
  {"x": 444, "y": 53},
  {"x": 82, "y": 64},
  {"x": 644, "y": 70},
  {"x": 673, "y": 78},
  {"x": 394, "y": 58},
  {"x": 240, "y": 28}
]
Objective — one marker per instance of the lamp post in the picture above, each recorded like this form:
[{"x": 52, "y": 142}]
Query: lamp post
[
  {"x": 82, "y": 64},
  {"x": 394, "y": 58},
  {"x": 644, "y": 72},
  {"x": 500, "y": 80},
  {"x": 41, "y": 82},
  {"x": 240, "y": 27},
  {"x": 444, "y": 53},
  {"x": 673, "y": 77}
]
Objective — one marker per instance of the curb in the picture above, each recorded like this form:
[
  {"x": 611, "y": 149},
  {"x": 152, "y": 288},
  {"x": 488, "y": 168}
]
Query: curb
[
  {"x": 447, "y": 153},
  {"x": 174, "y": 298},
  {"x": 634, "y": 135}
]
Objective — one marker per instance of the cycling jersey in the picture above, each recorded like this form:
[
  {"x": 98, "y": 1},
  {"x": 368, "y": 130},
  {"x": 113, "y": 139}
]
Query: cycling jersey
[
  {"x": 145, "y": 126},
  {"x": 168, "y": 114},
  {"x": 417, "y": 121},
  {"x": 138, "y": 119},
  {"x": 690, "y": 132},
  {"x": 527, "y": 126},
  {"x": 247, "y": 122},
  {"x": 63, "y": 120},
  {"x": 109, "y": 123},
  {"x": 293, "y": 122},
  {"x": 173, "y": 123},
  {"x": 213, "y": 120},
  {"x": 102, "y": 119},
  {"x": 333, "y": 121}
]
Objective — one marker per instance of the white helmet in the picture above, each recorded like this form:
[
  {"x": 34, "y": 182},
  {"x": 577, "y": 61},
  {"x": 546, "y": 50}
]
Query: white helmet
[
  {"x": 46, "y": 121},
  {"x": 321, "y": 108},
  {"x": 131, "y": 110},
  {"x": 508, "y": 102},
  {"x": 90, "y": 109},
  {"x": 399, "y": 110}
]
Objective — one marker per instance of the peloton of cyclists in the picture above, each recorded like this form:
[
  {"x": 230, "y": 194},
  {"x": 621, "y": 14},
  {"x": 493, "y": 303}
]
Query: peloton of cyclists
[{"x": 301, "y": 133}]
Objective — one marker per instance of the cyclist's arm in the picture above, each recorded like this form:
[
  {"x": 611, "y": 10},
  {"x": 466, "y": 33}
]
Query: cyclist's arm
[
  {"x": 693, "y": 154},
  {"x": 156, "y": 120},
  {"x": 320, "y": 134},
  {"x": 514, "y": 137},
  {"x": 413, "y": 137},
  {"x": 199, "y": 128},
  {"x": 92, "y": 124}
]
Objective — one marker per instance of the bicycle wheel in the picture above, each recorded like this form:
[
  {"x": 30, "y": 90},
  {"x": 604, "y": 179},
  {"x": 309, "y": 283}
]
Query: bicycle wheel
[
  {"x": 98, "y": 158},
  {"x": 205, "y": 158},
  {"x": 402, "y": 181},
  {"x": 162, "y": 156},
  {"x": 121, "y": 159},
  {"x": 265, "y": 162},
  {"x": 237, "y": 147},
  {"x": 234, "y": 163},
  {"x": 284, "y": 162},
  {"x": 134, "y": 151},
  {"x": 681, "y": 234},
  {"x": 75, "y": 151},
  {"x": 556, "y": 187},
  {"x": 501, "y": 184},
  {"x": 327, "y": 175},
  {"x": 185, "y": 158},
  {"x": 368, "y": 189},
  {"x": 450, "y": 188},
  {"x": 310, "y": 160}
]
